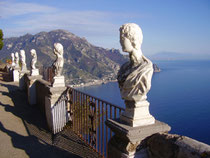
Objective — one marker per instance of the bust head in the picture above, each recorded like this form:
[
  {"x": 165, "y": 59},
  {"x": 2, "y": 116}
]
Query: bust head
[
  {"x": 33, "y": 52},
  {"x": 22, "y": 53},
  {"x": 58, "y": 48},
  {"x": 16, "y": 55},
  {"x": 131, "y": 37}
]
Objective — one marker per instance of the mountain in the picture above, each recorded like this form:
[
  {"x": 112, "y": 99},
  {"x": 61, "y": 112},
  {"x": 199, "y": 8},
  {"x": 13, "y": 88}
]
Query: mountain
[{"x": 84, "y": 62}]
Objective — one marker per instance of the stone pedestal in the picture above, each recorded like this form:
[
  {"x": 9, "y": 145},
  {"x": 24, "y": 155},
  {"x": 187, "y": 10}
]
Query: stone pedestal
[
  {"x": 22, "y": 82},
  {"x": 54, "y": 107},
  {"x": 31, "y": 88},
  {"x": 15, "y": 74},
  {"x": 58, "y": 81},
  {"x": 126, "y": 139},
  {"x": 34, "y": 72},
  {"x": 137, "y": 114}
]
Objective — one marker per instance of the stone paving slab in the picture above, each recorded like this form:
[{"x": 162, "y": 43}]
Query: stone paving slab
[{"x": 23, "y": 130}]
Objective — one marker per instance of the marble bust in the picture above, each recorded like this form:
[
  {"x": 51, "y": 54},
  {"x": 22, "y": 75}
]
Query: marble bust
[
  {"x": 17, "y": 60},
  {"x": 58, "y": 64},
  {"x": 13, "y": 59},
  {"x": 134, "y": 77},
  {"x": 23, "y": 60},
  {"x": 34, "y": 59},
  {"x": 34, "y": 70}
]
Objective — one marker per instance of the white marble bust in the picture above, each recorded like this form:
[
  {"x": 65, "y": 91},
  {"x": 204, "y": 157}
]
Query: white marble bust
[
  {"x": 17, "y": 60},
  {"x": 134, "y": 77},
  {"x": 34, "y": 70},
  {"x": 13, "y": 59},
  {"x": 58, "y": 63},
  {"x": 23, "y": 60},
  {"x": 34, "y": 59}
]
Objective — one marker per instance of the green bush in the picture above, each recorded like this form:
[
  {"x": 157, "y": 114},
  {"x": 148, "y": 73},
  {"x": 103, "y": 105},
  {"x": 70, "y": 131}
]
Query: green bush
[{"x": 1, "y": 39}]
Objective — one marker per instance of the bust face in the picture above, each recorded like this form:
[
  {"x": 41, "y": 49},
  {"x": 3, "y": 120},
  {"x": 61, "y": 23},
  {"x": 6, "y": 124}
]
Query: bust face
[
  {"x": 22, "y": 53},
  {"x": 58, "y": 48},
  {"x": 133, "y": 33},
  {"x": 33, "y": 52},
  {"x": 125, "y": 43}
]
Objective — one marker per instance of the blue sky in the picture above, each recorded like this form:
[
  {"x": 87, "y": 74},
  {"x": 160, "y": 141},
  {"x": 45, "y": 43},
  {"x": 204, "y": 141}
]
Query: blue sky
[{"x": 181, "y": 26}]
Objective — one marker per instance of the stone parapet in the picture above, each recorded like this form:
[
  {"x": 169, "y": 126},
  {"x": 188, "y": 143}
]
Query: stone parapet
[
  {"x": 126, "y": 139},
  {"x": 175, "y": 146},
  {"x": 31, "y": 88},
  {"x": 22, "y": 83},
  {"x": 42, "y": 90}
]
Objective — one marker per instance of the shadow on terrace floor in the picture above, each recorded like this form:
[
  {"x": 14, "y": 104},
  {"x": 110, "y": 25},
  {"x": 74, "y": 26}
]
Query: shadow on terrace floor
[{"x": 40, "y": 142}]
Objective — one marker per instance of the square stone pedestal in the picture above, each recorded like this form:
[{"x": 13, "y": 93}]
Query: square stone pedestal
[
  {"x": 137, "y": 114},
  {"x": 15, "y": 74},
  {"x": 31, "y": 88},
  {"x": 22, "y": 82},
  {"x": 127, "y": 138},
  {"x": 58, "y": 81},
  {"x": 34, "y": 72},
  {"x": 56, "y": 108}
]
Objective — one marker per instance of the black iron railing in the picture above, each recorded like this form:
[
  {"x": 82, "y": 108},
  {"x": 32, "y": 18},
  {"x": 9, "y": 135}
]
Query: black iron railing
[{"x": 88, "y": 115}]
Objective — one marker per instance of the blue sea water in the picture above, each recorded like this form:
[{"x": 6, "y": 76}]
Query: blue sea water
[{"x": 180, "y": 96}]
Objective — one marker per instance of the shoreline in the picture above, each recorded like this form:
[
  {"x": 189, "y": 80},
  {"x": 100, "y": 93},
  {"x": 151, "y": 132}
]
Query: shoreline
[
  {"x": 100, "y": 82},
  {"x": 94, "y": 83}
]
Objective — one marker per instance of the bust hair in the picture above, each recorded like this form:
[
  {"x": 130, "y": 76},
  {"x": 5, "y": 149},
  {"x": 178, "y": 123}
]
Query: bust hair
[
  {"x": 22, "y": 52},
  {"x": 33, "y": 52},
  {"x": 58, "y": 48},
  {"x": 133, "y": 32},
  {"x": 16, "y": 54}
]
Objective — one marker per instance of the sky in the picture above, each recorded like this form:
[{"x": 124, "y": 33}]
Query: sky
[{"x": 181, "y": 26}]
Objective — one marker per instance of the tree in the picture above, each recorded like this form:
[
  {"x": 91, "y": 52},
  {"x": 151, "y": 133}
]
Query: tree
[{"x": 1, "y": 39}]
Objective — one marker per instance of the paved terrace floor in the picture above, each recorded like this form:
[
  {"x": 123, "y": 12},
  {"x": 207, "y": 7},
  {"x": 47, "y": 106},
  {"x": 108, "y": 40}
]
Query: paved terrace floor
[{"x": 23, "y": 131}]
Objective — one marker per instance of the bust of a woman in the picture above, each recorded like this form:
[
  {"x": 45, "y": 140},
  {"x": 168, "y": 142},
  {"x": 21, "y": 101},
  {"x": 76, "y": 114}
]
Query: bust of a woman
[
  {"x": 34, "y": 59},
  {"x": 13, "y": 59},
  {"x": 16, "y": 60},
  {"x": 23, "y": 60},
  {"x": 58, "y": 64},
  {"x": 134, "y": 77}
]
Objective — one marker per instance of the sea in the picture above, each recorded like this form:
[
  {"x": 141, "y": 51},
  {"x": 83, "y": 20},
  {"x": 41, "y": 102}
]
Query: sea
[{"x": 179, "y": 96}]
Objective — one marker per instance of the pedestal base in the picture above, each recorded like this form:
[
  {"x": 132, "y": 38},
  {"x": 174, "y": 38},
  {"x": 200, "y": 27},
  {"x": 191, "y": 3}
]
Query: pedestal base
[
  {"x": 58, "y": 81},
  {"x": 22, "y": 82},
  {"x": 34, "y": 72},
  {"x": 23, "y": 69},
  {"x": 127, "y": 138},
  {"x": 137, "y": 114},
  {"x": 148, "y": 120},
  {"x": 15, "y": 75}
]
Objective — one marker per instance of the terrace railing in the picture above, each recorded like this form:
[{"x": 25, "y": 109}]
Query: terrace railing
[
  {"x": 88, "y": 116},
  {"x": 60, "y": 114}
]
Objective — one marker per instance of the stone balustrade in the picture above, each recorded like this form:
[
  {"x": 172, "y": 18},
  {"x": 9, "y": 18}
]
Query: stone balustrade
[
  {"x": 159, "y": 145},
  {"x": 137, "y": 133}
]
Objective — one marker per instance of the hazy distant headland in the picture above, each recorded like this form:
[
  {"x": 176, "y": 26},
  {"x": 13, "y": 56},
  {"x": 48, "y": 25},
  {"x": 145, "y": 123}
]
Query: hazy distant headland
[{"x": 180, "y": 56}]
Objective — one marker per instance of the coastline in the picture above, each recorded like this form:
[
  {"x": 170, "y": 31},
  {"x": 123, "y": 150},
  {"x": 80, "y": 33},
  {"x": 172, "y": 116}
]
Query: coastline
[
  {"x": 104, "y": 81},
  {"x": 93, "y": 83}
]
